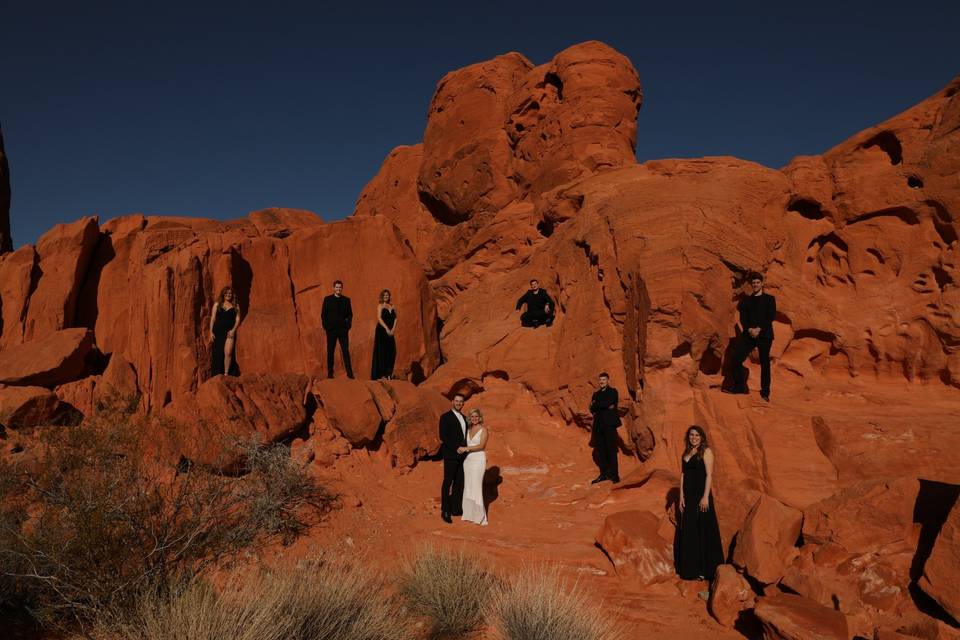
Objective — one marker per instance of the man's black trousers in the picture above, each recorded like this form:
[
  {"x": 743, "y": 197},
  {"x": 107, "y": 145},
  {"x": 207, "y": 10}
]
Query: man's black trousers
[
  {"x": 745, "y": 345},
  {"x": 343, "y": 337},
  {"x": 451, "y": 492},
  {"x": 605, "y": 445}
]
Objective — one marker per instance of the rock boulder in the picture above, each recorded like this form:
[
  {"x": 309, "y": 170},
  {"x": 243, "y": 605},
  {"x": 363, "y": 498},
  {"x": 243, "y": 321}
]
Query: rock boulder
[
  {"x": 54, "y": 358},
  {"x": 27, "y": 406},
  {"x": 788, "y": 617},
  {"x": 632, "y": 541},
  {"x": 941, "y": 573},
  {"x": 730, "y": 594},
  {"x": 227, "y": 413},
  {"x": 765, "y": 542}
]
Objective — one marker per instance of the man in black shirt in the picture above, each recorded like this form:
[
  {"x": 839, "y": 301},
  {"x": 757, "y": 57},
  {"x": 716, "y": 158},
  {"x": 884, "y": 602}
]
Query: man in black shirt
[
  {"x": 539, "y": 307},
  {"x": 453, "y": 435},
  {"x": 756, "y": 323},
  {"x": 606, "y": 419},
  {"x": 337, "y": 316}
]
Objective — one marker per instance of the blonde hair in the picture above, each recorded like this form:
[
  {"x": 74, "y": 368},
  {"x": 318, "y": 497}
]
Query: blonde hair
[{"x": 477, "y": 411}]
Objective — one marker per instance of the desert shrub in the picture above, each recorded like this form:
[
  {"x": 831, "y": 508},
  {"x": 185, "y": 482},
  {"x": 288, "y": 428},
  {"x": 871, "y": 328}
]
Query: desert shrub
[
  {"x": 325, "y": 600},
  {"x": 538, "y": 605},
  {"x": 92, "y": 519},
  {"x": 450, "y": 589}
]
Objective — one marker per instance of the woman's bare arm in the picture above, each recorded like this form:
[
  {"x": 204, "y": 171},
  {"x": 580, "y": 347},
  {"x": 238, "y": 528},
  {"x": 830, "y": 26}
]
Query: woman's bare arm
[
  {"x": 380, "y": 318},
  {"x": 708, "y": 463},
  {"x": 480, "y": 446},
  {"x": 682, "y": 504}
]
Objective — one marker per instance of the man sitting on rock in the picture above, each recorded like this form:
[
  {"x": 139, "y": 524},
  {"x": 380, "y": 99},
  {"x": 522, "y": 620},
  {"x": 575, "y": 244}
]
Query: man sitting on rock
[{"x": 539, "y": 306}]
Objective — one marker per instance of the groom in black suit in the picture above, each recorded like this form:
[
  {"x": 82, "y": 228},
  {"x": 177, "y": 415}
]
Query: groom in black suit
[
  {"x": 453, "y": 434},
  {"x": 606, "y": 419}
]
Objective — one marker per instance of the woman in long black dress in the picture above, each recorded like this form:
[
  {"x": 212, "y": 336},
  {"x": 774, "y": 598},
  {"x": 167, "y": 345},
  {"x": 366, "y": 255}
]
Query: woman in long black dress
[
  {"x": 224, "y": 320},
  {"x": 384, "y": 344},
  {"x": 699, "y": 549}
]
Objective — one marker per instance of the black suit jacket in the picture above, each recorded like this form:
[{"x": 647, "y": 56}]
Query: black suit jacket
[
  {"x": 758, "y": 311},
  {"x": 451, "y": 436},
  {"x": 536, "y": 302},
  {"x": 600, "y": 403},
  {"x": 337, "y": 314}
]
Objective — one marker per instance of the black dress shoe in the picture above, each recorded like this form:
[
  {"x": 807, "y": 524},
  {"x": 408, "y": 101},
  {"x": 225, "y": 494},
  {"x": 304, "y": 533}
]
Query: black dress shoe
[
  {"x": 765, "y": 396},
  {"x": 446, "y": 518},
  {"x": 615, "y": 479},
  {"x": 599, "y": 478}
]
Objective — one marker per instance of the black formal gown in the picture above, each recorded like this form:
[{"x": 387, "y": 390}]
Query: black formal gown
[
  {"x": 384, "y": 346},
  {"x": 698, "y": 546},
  {"x": 222, "y": 325}
]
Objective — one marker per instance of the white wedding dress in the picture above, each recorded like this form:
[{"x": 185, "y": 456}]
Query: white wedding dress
[{"x": 474, "y": 467}]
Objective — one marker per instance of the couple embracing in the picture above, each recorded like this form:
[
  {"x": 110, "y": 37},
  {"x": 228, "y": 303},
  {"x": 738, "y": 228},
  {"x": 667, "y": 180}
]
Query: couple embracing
[{"x": 463, "y": 440}]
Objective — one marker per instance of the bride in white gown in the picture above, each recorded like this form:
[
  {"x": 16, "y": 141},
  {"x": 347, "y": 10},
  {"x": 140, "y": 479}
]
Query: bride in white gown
[{"x": 474, "y": 466}]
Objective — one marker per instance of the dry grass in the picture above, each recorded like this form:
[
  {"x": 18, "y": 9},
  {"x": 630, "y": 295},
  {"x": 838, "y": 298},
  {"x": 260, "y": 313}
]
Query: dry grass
[
  {"x": 450, "y": 589},
  {"x": 322, "y": 601},
  {"x": 538, "y": 605},
  {"x": 93, "y": 520}
]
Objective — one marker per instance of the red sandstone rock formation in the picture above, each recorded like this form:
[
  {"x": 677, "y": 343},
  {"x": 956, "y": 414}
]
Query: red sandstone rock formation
[
  {"x": 634, "y": 543},
  {"x": 789, "y": 617},
  {"x": 55, "y": 358},
  {"x": 529, "y": 171},
  {"x": 730, "y": 594},
  {"x": 145, "y": 286},
  {"x": 941, "y": 569},
  {"x": 506, "y": 132},
  {"x": 27, "y": 406},
  {"x": 766, "y": 539}
]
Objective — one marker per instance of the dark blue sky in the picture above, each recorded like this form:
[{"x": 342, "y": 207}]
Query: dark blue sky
[{"x": 217, "y": 109}]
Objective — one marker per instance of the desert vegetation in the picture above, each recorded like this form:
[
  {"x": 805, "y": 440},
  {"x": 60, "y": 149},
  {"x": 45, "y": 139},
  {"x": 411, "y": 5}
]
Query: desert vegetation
[
  {"x": 321, "y": 599},
  {"x": 93, "y": 521},
  {"x": 538, "y": 605},
  {"x": 459, "y": 597},
  {"x": 450, "y": 590},
  {"x": 438, "y": 594},
  {"x": 100, "y": 541},
  {"x": 103, "y": 538}
]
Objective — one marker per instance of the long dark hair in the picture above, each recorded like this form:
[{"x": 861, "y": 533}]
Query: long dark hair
[{"x": 703, "y": 442}]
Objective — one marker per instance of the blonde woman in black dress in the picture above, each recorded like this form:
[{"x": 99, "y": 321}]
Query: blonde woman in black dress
[
  {"x": 224, "y": 320},
  {"x": 384, "y": 342}
]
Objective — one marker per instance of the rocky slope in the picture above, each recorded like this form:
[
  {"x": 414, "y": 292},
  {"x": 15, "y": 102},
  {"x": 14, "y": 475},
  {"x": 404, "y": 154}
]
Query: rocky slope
[{"x": 836, "y": 500}]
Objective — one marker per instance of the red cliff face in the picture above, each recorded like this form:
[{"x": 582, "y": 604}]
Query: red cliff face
[
  {"x": 840, "y": 491},
  {"x": 502, "y": 138}
]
